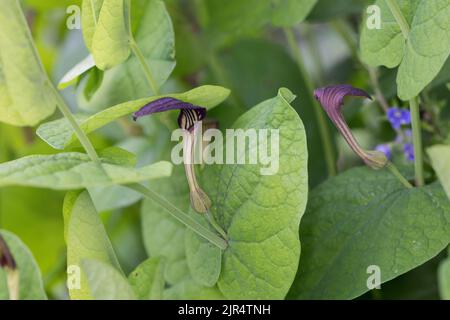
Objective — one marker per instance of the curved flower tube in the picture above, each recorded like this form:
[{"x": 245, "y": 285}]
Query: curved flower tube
[
  {"x": 189, "y": 117},
  {"x": 332, "y": 100}
]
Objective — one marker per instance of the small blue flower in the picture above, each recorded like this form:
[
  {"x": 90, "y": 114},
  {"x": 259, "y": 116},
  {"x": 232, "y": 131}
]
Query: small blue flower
[
  {"x": 408, "y": 149},
  {"x": 386, "y": 149},
  {"x": 398, "y": 117}
]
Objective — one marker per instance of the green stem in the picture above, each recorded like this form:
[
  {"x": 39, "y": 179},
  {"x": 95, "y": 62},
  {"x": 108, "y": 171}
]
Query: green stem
[
  {"x": 399, "y": 17},
  {"x": 373, "y": 74},
  {"x": 393, "y": 169},
  {"x": 417, "y": 141},
  {"x": 138, "y": 53},
  {"x": 181, "y": 216},
  {"x": 84, "y": 140},
  {"x": 148, "y": 74},
  {"x": 216, "y": 226},
  {"x": 413, "y": 103},
  {"x": 320, "y": 116}
]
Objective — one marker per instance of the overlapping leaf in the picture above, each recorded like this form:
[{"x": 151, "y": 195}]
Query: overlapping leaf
[
  {"x": 31, "y": 286},
  {"x": 422, "y": 54},
  {"x": 26, "y": 95},
  {"x": 59, "y": 134},
  {"x": 365, "y": 218},
  {"x": 70, "y": 171}
]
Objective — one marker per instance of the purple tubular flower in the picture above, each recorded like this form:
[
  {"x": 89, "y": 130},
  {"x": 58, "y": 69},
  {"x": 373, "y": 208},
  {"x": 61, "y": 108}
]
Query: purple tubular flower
[
  {"x": 408, "y": 149},
  {"x": 189, "y": 113},
  {"x": 398, "y": 117},
  {"x": 332, "y": 99}
]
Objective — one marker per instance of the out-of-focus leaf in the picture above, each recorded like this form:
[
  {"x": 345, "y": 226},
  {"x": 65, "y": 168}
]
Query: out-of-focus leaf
[
  {"x": 59, "y": 134},
  {"x": 111, "y": 42},
  {"x": 70, "y": 171},
  {"x": 86, "y": 238},
  {"x": 89, "y": 18},
  {"x": 255, "y": 80},
  {"x": 291, "y": 12},
  {"x": 203, "y": 258},
  {"x": 105, "y": 282},
  {"x": 26, "y": 95},
  {"x": 163, "y": 235},
  {"x": 153, "y": 32},
  {"x": 22, "y": 212},
  {"x": 30, "y": 279},
  {"x": 323, "y": 11},
  {"x": 188, "y": 289},
  {"x": 440, "y": 160},
  {"x": 364, "y": 218},
  {"x": 72, "y": 76},
  {"x": 243, "y": 16},
  {"x": 422, "y": 55},
  {"x": 444, "y": 279},
  {"x": 147, "y": 280}
]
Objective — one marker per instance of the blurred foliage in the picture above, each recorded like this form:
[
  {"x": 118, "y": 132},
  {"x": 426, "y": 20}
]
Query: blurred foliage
[{"x": 254, "y": 63}]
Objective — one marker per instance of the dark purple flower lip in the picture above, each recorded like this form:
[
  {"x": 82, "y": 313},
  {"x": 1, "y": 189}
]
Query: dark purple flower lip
[
  {"x": 332, "y": 99},
  {"x": 6, "y": 258},
  {"x": 189, "y": 113}
]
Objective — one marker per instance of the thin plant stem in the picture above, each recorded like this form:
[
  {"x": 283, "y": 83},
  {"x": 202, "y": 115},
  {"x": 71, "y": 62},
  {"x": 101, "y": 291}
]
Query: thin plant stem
[
  {"x": 320, "y": 116},
  {"x": 348, "y": 37},
  {"x": 413, "y": 103},
  {"x": 181, "y": 216},
  {"x": 145, "y": 67},
  {"x": 417, "y": 141},
  {"x": 399, "y": 17},
  {"x": 373, "y": 73},
  {"x": 138, "y": 53},
  {"x": 215, "y": 225},
  {"x": 393, "y": 169},
  {"x": 81, "y": 135}
]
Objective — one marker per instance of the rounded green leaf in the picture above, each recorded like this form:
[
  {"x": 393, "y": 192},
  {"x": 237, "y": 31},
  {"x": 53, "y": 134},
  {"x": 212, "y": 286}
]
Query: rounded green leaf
[
  {"x": 26, "y": 95},
  {"x": 261, "y": 213},
  {"x": 363, "y": 221}
]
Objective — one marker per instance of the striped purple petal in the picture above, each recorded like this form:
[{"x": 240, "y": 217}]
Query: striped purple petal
[
  {"x": 189, "y": 113},
  {"x": 332, "y": 99}
]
